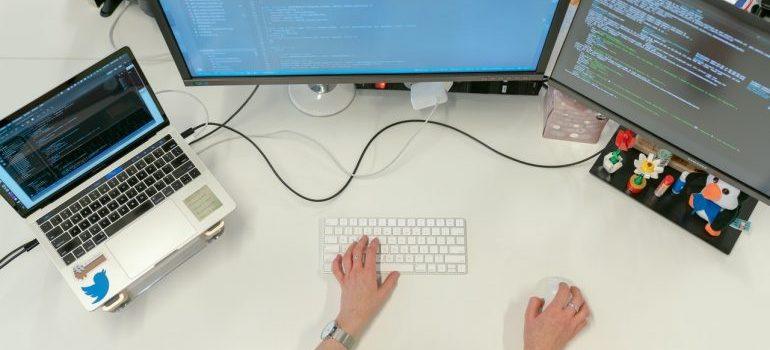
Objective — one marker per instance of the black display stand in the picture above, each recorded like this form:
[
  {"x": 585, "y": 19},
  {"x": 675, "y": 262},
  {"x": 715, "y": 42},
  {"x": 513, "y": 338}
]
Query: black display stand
[
  {"x": 527, "y": 88},
  {"x": 673, "y": 207}
]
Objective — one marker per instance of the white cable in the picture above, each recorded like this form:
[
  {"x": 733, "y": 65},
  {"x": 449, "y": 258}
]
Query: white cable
[
  {"x": 329, "y": 153},
  {"x": 113, "y": 27},
  {"x": 200, "y": 102}
]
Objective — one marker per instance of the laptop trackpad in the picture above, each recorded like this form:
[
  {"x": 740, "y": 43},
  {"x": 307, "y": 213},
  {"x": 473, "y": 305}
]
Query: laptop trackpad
[{"x": 150, "y": 238}]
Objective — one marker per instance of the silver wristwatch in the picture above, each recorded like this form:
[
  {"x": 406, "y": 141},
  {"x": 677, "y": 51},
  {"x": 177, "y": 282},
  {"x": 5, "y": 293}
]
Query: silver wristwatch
[{"x": 334, "y": 332}]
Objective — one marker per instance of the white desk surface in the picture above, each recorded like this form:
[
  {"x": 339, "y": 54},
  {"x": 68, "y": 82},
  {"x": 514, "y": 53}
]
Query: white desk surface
[{"x": 651, "y": 284}]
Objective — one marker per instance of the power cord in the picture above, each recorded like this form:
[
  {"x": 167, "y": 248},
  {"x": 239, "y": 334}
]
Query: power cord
[
  {"x": 18, "y": 252},
  {"x": 189, "y": 132},
  {"x": 113, "y": 27},
  {"x": 223, "y": 124}
]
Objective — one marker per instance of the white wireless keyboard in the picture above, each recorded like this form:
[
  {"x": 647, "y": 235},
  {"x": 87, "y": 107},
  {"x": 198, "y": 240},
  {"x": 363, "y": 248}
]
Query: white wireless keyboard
[{"x": 434, "y": 246}]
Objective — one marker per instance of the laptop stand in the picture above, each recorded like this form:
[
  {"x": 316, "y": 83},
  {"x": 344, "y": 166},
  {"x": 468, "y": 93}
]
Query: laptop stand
[{"x": 163, "y": 268}]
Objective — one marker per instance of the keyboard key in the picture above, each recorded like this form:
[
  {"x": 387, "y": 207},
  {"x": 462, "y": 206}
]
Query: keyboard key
[
  {"x": 115, "y": 193},
  {"x": 167, "y": 169},
  {"x": 169, "y": 158},
  {"x": 157, "y": 198},
  {"x": 128, "y": 218},
  {"x": 132, "y": 204},
  {"x": 123, "y": 210},
  {"x": 186, "y": 179},
  {"x": 113, "y": 183},
  {"x": 141, "y": 197},
  {"x": 195, "y": 173},
  {"x": 168, "y": 191},
  {"x": 46, "y": 226},
  {"x": 103, "y": 189},
  {"x": 179, "y": 161},
  {"x": 78, "y": 252},
  {"x": 85, "y": 235},
  {"x": 151, "y": 192},
  {"x": 124, "y": 187},
  {"x": 150, "y": 169},
  {"x": 183, "y": 169},
  {"x": 93, "y": 218},
  {"x": 77, "y": 218},
  {"x": 88, "y": 245},
  {"x": 66, "y": 226},
  {"x": 168, "y": 146},
  {"x": 68, "y": 259},
  {"x": 131, "y": 193},
  {"x": 114, "y": 216},
  {"x": 86, "y": 212},
  {"x": 141, "y": 175},
  {"x": 104, "y": 223},
  {"x": 75, "y": 231},
  {"x": 94, "y": 195},
  {"x": 113, "y": 205},
  {"x": 396, "y": 267},
  {"x": 60, "y": 240},
  {"x": 141, "y": 164},
  {"x": 99, "y": 237},
  {"x": 158, "y": 153},
  {"x": 65, "y": 214},
  {"x": 104, "y": 200},
  {"x": 140, "y": 187},
  {"x": 122, "y": 199},
  {"x": 177, "y": 185},
  {"x": 56, "y": 220},
  {"x": 122, "y": 177},
  {"x": 132, "y": 181},
  {"x": 177, "y": 151},
  {"x": 103, "y": 212},
  {"x": 69, "y": 246},
  {"x": 94, "y": 206},
  {"x": 56, "y": 231},
  {"x": 131, "y": 171},
  {"x": 75, "y": 207}
]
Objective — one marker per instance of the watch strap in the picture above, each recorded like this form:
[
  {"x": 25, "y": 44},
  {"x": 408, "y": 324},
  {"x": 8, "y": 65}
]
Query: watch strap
[{"x": 341, "y": 336}]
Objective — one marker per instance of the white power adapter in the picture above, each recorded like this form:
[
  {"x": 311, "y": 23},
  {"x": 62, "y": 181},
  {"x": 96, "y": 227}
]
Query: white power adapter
[{"x": 425, "y": 95}]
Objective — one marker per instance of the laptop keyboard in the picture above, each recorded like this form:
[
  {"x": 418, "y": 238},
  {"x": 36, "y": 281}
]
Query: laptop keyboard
[{"x": 104, "y": 208}]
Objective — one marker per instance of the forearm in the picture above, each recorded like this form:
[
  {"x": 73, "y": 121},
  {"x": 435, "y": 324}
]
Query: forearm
[{"x": 330, "y": 345}]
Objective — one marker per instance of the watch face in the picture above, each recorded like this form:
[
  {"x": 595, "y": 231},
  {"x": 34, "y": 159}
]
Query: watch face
[{"x": 328, "y": 330}]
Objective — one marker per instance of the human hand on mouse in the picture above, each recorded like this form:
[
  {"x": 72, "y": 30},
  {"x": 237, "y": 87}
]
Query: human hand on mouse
[
  {"x": 556, "y": 325},
  {"x": 362, "y": 295}
]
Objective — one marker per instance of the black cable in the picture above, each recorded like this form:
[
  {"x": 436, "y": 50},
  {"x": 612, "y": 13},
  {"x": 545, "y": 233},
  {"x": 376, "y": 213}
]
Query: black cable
[
  {"x": 18, "y": 252},
  {"x": 368, "y": 144},
  {"x": 237, "y": 111}
]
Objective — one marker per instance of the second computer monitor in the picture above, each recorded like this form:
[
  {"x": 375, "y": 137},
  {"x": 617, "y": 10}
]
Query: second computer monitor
[{"x": 357, "y": 41}]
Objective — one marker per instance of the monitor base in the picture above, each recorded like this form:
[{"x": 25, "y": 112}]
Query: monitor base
[{"x": 322, "y": 100}]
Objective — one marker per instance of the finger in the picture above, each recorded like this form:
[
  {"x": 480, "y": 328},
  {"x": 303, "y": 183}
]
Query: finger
[
  {"x": 371, "y": 255},
  {"x": 561, "y": 299},
  {"x": 584, "y": 314},
  {"x": 534, "y": 308},
  {"x": 347, "y": 259},
  {"x": 577, "y": 300},
  {"x": 358, "y": 252},
  {"x": 387, "y": 287},
  {"x": 337, "y": 269}
]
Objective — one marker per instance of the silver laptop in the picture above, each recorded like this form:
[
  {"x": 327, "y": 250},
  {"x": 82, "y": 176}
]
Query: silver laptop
[{"x": 108, "y": 186}]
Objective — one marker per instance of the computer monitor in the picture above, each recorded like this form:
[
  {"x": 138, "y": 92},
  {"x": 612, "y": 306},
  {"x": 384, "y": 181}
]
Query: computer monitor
[
  {"x": 221, "y": 42},
  {"x": 693, "y": 74}
]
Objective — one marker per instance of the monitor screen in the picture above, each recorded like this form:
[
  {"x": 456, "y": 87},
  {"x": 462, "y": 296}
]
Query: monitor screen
[
  {"x": 258, "y": 38},
  {"x": 59, "y": 139},
  {"x": 689, "y": 72}
]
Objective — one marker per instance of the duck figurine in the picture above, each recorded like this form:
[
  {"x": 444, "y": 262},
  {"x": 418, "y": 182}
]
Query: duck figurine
[{"x": 718, "y": 203}]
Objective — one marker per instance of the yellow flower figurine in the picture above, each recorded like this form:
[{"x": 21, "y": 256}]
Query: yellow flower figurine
[{"x": 648, "y": 166}]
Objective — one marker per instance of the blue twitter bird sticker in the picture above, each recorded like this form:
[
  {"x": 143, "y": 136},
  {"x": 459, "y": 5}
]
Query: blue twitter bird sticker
[{"x": 99, "y": 289}]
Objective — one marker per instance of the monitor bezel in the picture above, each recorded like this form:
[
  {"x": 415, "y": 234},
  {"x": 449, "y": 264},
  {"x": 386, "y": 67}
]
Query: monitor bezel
[
  {"x": 25, "y": 212},
  {"x": 736, "y": 14},
  {"x": 537, "y": 75}
]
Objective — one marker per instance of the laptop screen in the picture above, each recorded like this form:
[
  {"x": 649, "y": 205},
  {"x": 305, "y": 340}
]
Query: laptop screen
[{"x": 60, "y": 138}]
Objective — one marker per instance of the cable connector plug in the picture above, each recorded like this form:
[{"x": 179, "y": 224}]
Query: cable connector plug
[{"x": 187, "y": 133}]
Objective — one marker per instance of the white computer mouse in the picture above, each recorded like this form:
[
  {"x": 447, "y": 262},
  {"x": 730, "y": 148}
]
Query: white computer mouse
[{"x": 548, "y": 287}]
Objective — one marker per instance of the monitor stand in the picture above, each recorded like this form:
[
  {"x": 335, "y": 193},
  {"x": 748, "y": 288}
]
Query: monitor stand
[{"x": 322, "y": 100}]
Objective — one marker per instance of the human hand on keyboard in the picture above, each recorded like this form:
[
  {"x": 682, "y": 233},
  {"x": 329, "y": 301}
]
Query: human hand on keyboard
[
  {"x": 552, "y": 327},
  {"x": 362, "y": 294}
]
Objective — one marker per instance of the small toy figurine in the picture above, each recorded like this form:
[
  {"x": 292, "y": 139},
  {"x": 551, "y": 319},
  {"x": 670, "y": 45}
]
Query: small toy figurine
[
  {"x": 636, "y": 184},
  {"x": 680, "y": 183},
  {"x": 613, "y": 161},
  {"x": 624, "y": 140},
  {"x": 718, "y": 203},
  {"x": 648, "y": 166}
]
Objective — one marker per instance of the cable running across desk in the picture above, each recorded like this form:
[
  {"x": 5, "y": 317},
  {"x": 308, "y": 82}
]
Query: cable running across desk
[{"x": 366, "y": 149}]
